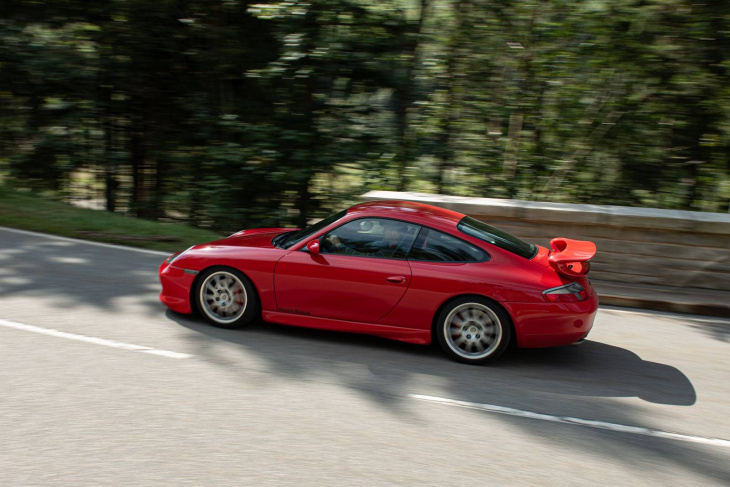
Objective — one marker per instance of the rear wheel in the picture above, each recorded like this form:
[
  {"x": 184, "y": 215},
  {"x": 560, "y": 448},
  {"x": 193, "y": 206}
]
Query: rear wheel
[
  {"x": 226, "y": 298},
  {"x": 473, "y": 330}
]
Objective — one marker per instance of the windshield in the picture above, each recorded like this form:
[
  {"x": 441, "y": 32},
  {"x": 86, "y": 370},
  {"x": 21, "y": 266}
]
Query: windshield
[
  {"x": 289, "y": 239},
  {"x": 497, "y": 237}
]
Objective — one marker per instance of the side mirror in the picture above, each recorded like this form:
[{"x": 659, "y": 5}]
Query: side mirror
[{"x": 313, "y": 247}]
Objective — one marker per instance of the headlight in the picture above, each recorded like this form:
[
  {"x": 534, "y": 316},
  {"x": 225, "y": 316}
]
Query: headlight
[{"x": 174, "y": 256}]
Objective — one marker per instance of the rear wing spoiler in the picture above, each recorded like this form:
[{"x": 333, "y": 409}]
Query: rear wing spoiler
[{"x": 571, "y": 257}]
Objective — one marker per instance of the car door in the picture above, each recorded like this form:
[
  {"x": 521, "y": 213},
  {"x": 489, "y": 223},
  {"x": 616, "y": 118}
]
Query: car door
[
  {"x": 360, "y": 280},
  {"x": 442, "y": 266}
]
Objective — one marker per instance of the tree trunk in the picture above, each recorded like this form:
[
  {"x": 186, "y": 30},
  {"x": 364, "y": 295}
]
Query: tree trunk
[
  {"x": 110, "y": 178},
  {"x": 445, "y": 138},
  {"x": 405, "y": 97},
  {"x": 109, "y": 161},
  {"x": 138, "y": 154}
]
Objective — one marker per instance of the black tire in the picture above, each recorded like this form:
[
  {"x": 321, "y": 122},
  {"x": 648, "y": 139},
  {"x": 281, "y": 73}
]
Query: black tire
[
  {"x": 473, "y": 330},
  {"x": 225, "y": 297}
]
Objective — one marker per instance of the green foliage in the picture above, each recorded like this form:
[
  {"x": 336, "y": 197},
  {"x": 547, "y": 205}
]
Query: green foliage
[
  {"x": 230, "y": 114},
  {"x": 32, "y": 212}
]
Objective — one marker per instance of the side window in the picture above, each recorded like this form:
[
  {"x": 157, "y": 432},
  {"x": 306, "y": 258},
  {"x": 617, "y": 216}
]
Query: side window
[
  {"x": 434, "y": 246},
  {"x": 371, "y": 237}
]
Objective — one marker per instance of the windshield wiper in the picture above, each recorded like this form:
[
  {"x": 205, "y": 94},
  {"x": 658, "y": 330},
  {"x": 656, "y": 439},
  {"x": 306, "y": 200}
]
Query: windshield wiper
[{"x": 277, "y": 241}]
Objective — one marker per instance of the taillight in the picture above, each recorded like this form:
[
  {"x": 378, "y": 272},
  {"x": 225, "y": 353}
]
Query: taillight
[{"x": 569, "y": 293}]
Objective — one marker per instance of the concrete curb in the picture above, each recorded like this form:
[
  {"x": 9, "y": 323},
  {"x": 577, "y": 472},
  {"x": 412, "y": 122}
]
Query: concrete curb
[
  {"x": 703, "y": 309},
  {"x": 663, "y": 298}
]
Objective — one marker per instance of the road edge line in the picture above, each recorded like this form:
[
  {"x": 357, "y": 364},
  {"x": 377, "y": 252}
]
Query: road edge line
[
  {"x": 87, "y": 242},
  {"x": 97, "y": 341}
]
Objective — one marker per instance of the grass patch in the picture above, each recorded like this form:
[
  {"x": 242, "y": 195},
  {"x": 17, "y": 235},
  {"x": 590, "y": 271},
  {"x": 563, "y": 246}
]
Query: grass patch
[{"x": 33, "y": 212}]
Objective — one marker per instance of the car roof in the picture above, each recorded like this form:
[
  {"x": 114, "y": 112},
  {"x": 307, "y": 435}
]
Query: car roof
[{"x": 407, "y": 210}]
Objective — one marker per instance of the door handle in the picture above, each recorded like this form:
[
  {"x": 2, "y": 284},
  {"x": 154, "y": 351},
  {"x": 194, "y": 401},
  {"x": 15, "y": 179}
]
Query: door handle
[{"x": 396, "y": 279}]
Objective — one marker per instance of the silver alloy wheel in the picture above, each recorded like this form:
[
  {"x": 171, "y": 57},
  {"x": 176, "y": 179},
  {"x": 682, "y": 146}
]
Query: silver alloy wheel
[
  {"x": 223, "y": 297},
  {"x": 473, "y": 331}
]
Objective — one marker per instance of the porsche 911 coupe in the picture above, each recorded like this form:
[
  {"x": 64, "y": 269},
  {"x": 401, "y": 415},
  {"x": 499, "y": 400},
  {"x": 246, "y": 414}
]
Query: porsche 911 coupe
[{"x": 395, "y": 269}]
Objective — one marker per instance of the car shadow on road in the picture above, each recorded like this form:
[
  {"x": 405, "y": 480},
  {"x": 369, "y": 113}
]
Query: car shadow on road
[
  {"x": 592, "y": 369},
  {"x": 718, "y": 331},
  {"x": 588, "y": 381}
]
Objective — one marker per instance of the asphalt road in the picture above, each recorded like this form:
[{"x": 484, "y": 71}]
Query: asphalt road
[{"x": 275, "y": 405}]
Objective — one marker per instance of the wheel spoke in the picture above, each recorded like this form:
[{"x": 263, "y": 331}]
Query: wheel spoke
[{"x": 482, "y": 317}]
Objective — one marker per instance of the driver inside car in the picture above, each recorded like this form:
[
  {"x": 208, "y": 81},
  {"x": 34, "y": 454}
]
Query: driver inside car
[{"x": 393, "y": 234}]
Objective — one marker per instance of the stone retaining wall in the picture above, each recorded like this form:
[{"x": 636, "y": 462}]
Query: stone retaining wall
[{"x": 635, "y": 245}]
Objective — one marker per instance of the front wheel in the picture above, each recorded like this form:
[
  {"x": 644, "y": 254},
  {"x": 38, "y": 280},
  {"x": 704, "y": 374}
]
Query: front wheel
[
  {"x": 473, "y": 330},
  {"x": 226, "y": 298}
]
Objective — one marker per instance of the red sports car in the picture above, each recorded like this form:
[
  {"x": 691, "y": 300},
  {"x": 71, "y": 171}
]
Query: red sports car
[{"x": 395, "y": 269}]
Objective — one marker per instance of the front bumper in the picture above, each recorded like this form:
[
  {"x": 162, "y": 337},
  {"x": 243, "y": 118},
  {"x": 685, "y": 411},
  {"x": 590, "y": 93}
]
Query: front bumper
[
  {"x": 176, "y": 285},
  {"x": 552, "y": 324}
]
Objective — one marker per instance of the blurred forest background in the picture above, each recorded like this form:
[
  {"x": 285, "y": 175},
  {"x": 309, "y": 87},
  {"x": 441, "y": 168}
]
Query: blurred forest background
[{"x": 227, "y": 113}]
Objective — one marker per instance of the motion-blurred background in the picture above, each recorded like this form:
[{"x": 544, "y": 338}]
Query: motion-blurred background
[{"x": 227, "y": 114}]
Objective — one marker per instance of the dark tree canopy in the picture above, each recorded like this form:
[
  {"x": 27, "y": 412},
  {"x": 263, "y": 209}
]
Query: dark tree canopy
[{"x": 232, "y": 113}]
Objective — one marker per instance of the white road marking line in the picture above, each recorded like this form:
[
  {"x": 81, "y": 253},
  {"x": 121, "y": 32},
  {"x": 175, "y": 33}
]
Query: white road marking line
[
  {"x": 97, "y": 341},
  {"x": 87, "y": 242},
  {"x": 636, "y": 430}
]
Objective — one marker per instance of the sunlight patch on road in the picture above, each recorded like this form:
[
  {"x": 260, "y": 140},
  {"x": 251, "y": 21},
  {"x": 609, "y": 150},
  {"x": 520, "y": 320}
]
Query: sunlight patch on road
[
  {"x": 17, "y": 281},
  {"x": 68, "y": 260}
]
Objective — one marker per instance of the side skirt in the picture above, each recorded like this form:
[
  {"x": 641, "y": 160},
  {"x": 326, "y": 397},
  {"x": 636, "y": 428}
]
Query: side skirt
[{"x": 420, "y": 337}]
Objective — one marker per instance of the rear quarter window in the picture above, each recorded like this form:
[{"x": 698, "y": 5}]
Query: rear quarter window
[
  {"x": 495, "y": 236},
  {"x": 435, "y": 246}
]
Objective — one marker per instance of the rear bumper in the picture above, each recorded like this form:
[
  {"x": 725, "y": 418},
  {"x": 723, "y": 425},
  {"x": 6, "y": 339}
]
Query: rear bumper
[
  {"x": 552, "y": 324},
  {"x": 176, "y": 284}
]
